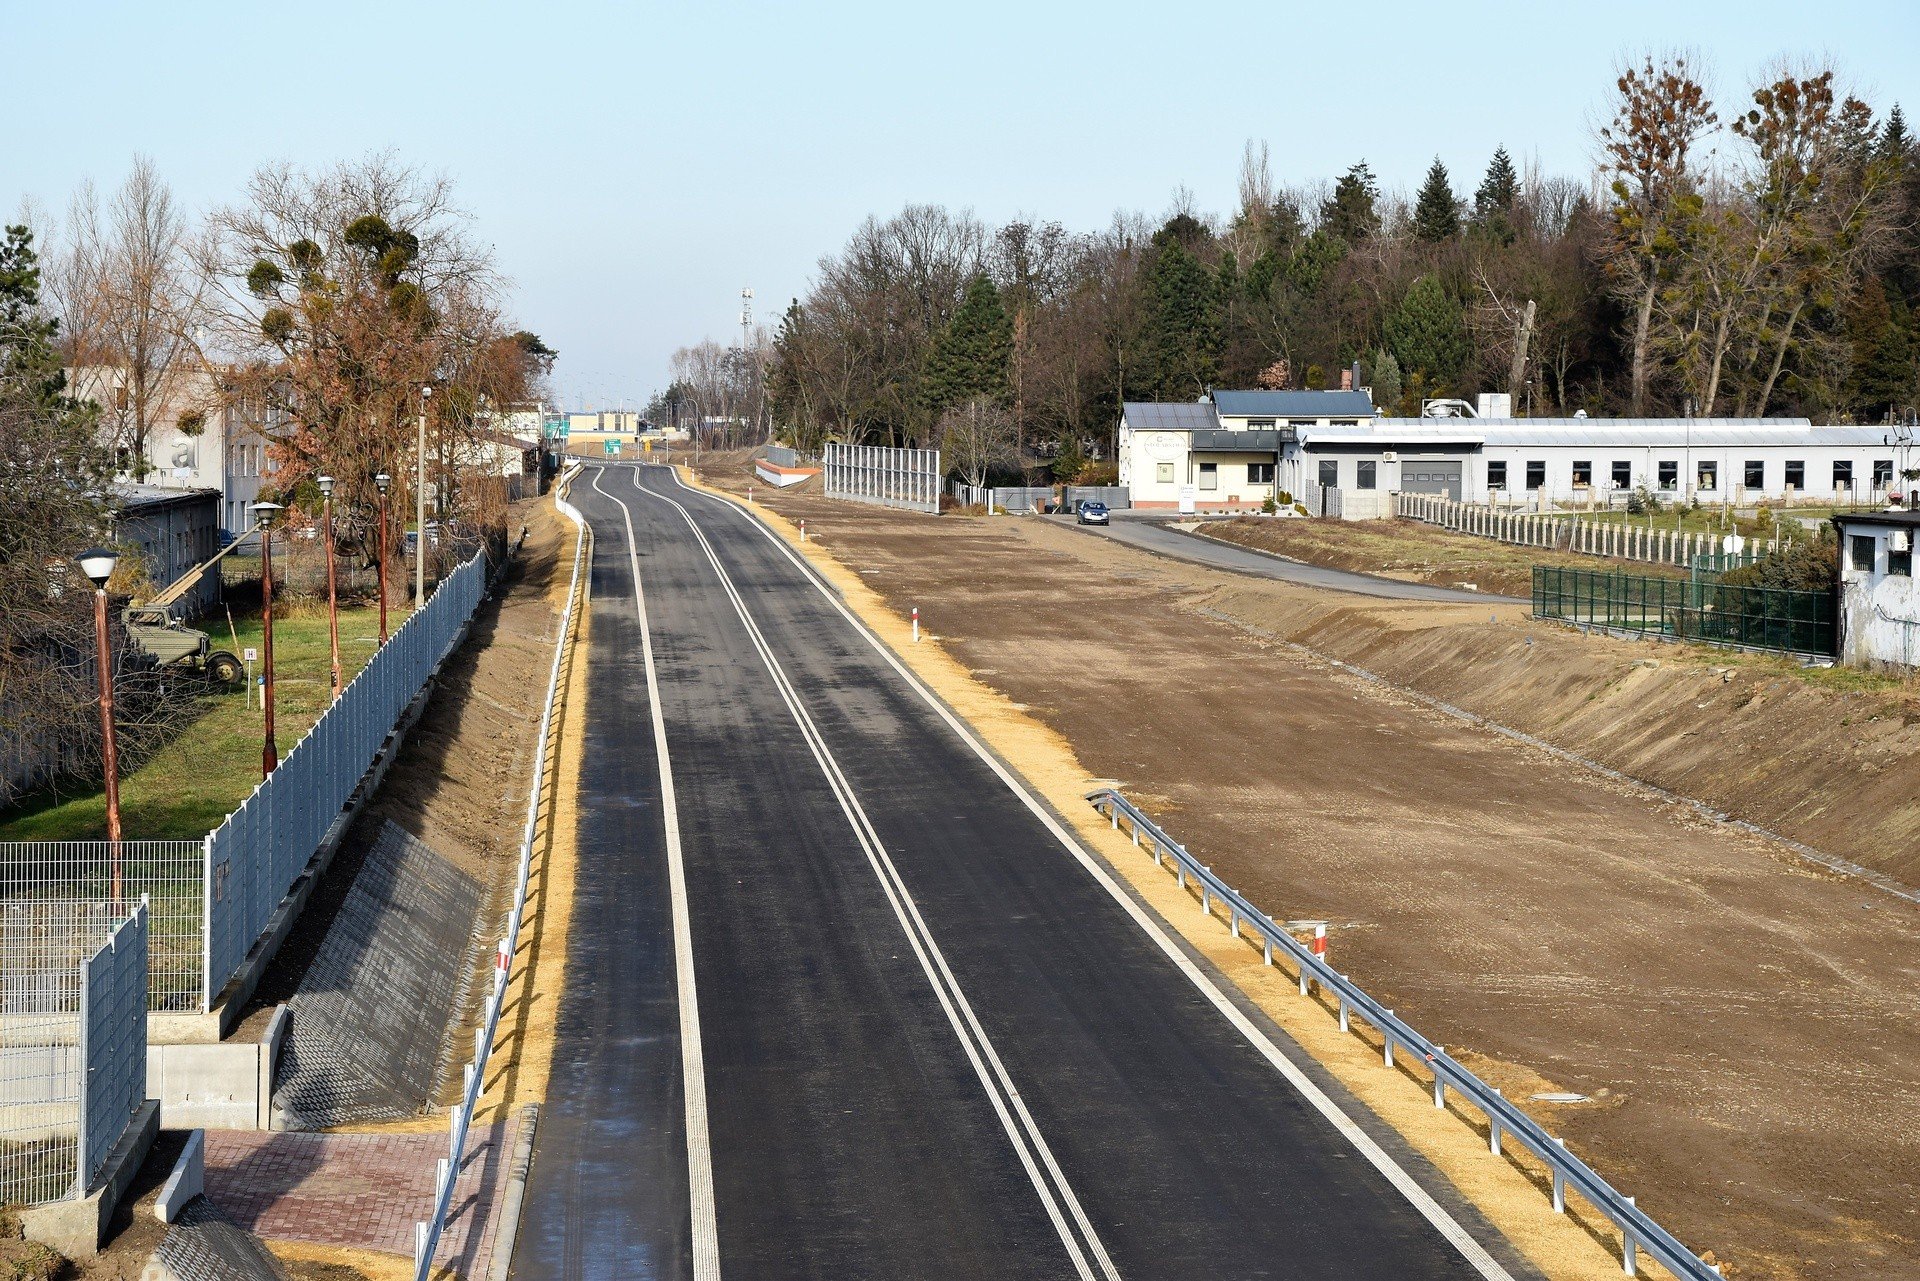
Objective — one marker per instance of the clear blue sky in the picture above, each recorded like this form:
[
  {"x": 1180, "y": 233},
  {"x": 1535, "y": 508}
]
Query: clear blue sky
[{"x": 634, "y": 165}]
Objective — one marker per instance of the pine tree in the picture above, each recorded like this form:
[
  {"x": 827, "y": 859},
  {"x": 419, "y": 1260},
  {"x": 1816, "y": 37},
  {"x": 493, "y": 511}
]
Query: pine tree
[
  {"x": 1436, "y": 215},
  {"x": 970, "y": 358},
  {"x": 1427, "y": 334},
  {"x": 1183, "y": 331},
  {"x": 1385, "y": 379},
  {"x": 1896, "y": 141},
  {"x": 1497, "y": 199},
  {"x": 1349, "y": 213}
]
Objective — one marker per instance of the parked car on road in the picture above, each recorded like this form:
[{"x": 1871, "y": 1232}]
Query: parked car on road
[{"x": 1092, "y": 512}]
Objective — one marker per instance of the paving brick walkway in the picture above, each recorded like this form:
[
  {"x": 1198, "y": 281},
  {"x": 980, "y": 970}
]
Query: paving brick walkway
[{"x": 364, "y": 1191}]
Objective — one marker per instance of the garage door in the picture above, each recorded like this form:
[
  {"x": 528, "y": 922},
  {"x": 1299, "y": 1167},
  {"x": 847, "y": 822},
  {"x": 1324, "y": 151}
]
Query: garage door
[{"x": 1421, "y": 477}]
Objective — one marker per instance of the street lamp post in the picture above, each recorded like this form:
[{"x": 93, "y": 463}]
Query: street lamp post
[
  {"x": 420, "y": 508},
  {"x": 98, "y": 566},
  {"x": 264, "y": 514},
  {"x": 381, "y": 482},
  {"x": 333, "y": 593}
]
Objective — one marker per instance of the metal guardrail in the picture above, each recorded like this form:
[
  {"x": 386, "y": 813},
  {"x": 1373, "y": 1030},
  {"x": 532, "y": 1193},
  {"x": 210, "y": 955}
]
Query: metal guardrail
[
  {"x": 1504, "y": 1120},
  {"x": 426, "y": 1236}
]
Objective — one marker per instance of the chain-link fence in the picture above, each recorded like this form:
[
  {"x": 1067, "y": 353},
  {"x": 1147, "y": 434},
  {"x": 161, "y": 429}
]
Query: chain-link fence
[
  {"x": 1700, "y": 609},
  {"x": 254, "y": 856},
  {"x": 169, "y": 875},
  {"x": 73, "y": 1056}
]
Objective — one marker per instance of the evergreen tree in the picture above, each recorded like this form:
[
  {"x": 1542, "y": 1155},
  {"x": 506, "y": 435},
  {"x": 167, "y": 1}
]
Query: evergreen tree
[
  {"x": 1436, "y": 215},
  {"x": 1883, "y": 373},
  {"x": 1183, "y": 333},
  {"x": 1349, "y": 213},
  {"x": 970, "y": 358},
  {"x": 1896, "y": 140},
  {"x": 1427, "y": 335},
  {"x": 1385, "y": 379},
  {"x": 1497, "y": 200},
  {"x": 31, "y": 377}
]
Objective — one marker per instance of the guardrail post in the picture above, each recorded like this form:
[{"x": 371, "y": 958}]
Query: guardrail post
[
  {"x": 1386, "y": 1050},
  {"x": 1629, "y": 1249},
  {"x": 1493, "y": 1128},
  {"x": 1345, "y": 1026},
  {"x": 1559, "y": 1186},
  {"x": 1269, "y": 943},
  {"x": 419, "y": 1248}
]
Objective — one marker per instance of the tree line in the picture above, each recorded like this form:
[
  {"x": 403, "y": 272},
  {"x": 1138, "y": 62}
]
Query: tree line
[{"x": 1758, "y": 258}]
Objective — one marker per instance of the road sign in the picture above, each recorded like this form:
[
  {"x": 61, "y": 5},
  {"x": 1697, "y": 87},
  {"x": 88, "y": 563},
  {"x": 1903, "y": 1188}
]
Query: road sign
[
  {"x": 250, "y": 654},
  {"x": 613, "y": 448},
  {"x": 1733, "y": 544}
]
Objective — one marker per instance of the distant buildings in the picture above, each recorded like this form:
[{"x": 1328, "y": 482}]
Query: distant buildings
[{"x": 1330, "y": 451}]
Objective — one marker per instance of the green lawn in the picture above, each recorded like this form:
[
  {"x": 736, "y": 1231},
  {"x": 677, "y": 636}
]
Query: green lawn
[{"x": 185, "y": 788}]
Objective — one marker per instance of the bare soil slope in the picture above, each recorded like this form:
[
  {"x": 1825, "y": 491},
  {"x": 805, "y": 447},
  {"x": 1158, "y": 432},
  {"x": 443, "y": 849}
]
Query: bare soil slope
[{"x": 1745, "y": 1020}]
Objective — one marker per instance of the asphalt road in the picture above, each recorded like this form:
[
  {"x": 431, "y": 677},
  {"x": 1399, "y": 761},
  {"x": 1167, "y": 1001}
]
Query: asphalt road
[
  {"x": 842, "y": 1003},
  {"x": 1155, "y": 537}
]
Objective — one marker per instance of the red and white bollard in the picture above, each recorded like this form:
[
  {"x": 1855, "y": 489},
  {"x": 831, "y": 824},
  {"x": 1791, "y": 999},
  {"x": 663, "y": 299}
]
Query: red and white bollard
[
  {"x": 803, "y": 531},
  {"x": 1319, "y": 946},
  {"x": 916, "y": 624},
  {"x": 749, "y": 493}
]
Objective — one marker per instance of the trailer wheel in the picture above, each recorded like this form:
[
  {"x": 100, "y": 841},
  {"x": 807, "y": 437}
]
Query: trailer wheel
[{"x": 224, "y": 669}]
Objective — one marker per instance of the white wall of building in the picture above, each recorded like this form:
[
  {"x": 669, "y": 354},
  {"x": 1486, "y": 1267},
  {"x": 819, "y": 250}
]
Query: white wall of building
[{"x": 1879, "y": 606}]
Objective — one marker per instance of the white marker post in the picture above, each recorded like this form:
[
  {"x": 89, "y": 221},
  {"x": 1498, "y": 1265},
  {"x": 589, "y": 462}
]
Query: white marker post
[
  {"x": 803, "y": 531},
  {"x": 916, "y": 624},
  {"x": 749, "y": 493}
]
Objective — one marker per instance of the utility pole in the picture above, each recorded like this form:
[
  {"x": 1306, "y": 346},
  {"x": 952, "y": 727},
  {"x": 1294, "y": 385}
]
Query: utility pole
[{"x": 420, "y": 509}]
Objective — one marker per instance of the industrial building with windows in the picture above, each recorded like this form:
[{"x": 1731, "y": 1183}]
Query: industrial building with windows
[{"x": 1232, "y": 452}]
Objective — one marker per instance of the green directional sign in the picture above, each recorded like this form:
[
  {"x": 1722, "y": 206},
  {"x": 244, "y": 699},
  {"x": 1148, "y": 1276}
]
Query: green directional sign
[{"x": 613, "y": 448}]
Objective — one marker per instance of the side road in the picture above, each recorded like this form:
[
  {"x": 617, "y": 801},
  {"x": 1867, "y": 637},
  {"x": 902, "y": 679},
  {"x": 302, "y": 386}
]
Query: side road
[
  {"x": 1153, "y": 537},
  {"x": 1574, "y": 932}
]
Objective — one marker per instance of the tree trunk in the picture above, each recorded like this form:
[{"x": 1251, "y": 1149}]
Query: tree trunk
[
  {"x": 1642, "y": 324},
  {"x": 1779, "y": 359},
  {"x": 1516, "y": 377}
]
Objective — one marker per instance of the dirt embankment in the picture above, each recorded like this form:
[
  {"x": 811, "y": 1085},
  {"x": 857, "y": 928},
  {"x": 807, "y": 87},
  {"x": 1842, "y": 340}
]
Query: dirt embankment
[
  {"x": 1747, "y": 1023},
  {"x": 1412, "y": 551}
]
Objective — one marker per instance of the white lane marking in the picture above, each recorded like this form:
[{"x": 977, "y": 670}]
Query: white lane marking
[
  {"x": 706, "y": 1236},
  {"x": 1006, "y": 1099},
  {"x": 1421, "y": 1200}
]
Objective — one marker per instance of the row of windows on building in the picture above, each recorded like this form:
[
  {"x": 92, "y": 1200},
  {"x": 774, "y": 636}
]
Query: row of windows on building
[
  {"x": 1706, "y": 474},
  {"x": 1257, "y": 474}
]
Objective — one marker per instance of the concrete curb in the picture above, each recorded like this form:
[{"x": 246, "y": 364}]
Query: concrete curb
[{"x": 513, "y": 1202}]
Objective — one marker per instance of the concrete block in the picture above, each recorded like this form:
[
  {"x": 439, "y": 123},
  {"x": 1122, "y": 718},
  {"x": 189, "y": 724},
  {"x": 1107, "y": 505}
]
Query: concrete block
[
  {"x": 206, "y": 1087},
  {"x": 187, "y": 1181},
  {"x": 75, "y": 1228}
]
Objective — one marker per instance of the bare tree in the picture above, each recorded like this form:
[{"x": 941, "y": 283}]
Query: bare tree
[
  {"x": 1662, "y": 114},
  {"x": 975, "y": 438},
  {"x": 126, "y": 285}
]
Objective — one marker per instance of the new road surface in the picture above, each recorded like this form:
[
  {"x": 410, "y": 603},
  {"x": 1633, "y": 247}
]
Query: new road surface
[
  {"x": 844, "y": 1001},
  {"x": 1152, "y": 536}
]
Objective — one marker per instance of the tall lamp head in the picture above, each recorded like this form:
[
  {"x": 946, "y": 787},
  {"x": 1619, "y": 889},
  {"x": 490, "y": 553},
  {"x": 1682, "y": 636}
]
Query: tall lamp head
[
  {"x": 98, "y": 565},
  {"x": 382, "y": 481},
  {"x": 265, "y": 513},
  {"x": 326, "y": 485}
]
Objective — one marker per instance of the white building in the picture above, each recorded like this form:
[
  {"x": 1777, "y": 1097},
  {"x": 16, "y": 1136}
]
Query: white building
[
  {"x": 1879, "y": 609},
  {"x": 199, "y": 439},
  {"x": 1223, "y": 454},
  {"x": 1327, "y": 450}
]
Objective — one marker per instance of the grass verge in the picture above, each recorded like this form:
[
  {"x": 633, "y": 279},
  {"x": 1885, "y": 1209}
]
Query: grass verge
[{"x": 188, "y": 785}]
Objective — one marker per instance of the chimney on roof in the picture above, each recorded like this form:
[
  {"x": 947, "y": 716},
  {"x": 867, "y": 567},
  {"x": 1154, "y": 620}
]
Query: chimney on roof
[{"x": 1346, "y": 380}]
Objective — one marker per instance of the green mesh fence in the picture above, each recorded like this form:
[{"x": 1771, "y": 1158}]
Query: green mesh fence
[{"x": 1700, "y": 608}]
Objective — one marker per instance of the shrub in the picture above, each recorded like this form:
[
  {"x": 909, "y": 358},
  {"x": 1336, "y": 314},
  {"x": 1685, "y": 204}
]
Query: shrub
[{"x": 1804, "y": 565}]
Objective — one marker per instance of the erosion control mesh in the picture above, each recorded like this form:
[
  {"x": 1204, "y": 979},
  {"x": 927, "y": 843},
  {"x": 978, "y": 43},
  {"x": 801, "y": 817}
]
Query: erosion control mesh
[
  {"x": 369, "y": 1021},
  {"x": 202, "y": 1245}
]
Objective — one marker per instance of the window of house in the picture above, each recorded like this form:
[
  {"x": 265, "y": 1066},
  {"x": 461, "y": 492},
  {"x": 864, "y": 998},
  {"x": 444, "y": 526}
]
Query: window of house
[
  {"x": 1537, "y": 474},
  {"x": 1707, "y": 476},
  {"x": 1900, "y": 563},
  {"x": 1163, "y": 472},
  {"x": 1754, "y": 474},
  {"x": 1860, "y": 553},
  {"x": 1260, "y": 424},
  {"x": 1329, "y": 474},
  {"x": 1583, "y": 472},
  {"x": 1496, "y": 473},
  {"x": 1796, "y": 473},
  {"x": 1622, "y": 475},
  {"x": 1882, "y": 472},
  {"x": 1259, "y": 473},
  {"x": 1843, "y": 473},
  {"x": 1669, "y": 474},
  {"x": 1209, "y": 475},
  {"x": 1365, "y": 474}
]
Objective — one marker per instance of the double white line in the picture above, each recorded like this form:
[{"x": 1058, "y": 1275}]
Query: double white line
[{"x": 1089, "y": 1255}]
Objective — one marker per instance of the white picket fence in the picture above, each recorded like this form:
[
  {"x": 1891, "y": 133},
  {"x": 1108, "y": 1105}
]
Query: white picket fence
[{"x": 1571, "y": 532}]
